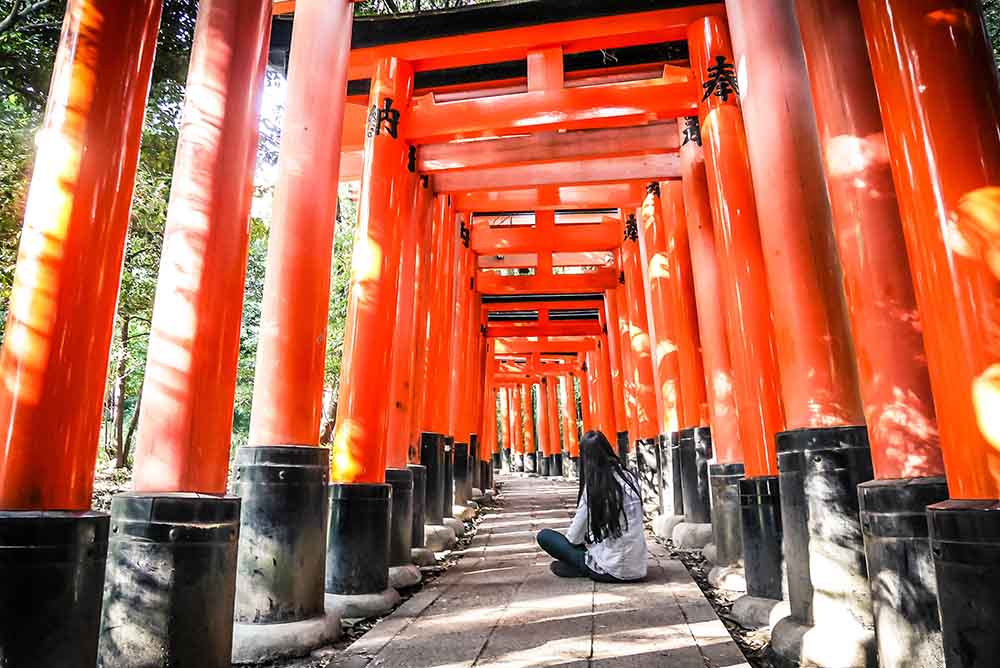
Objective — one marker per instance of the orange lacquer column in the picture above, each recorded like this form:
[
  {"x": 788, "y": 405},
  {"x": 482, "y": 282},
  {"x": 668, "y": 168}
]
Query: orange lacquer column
[
  {"x": 552, "y": 393},
  {"x": 726, "y": 445},
  {"x": 530, "y": 444},
  {"x": 517, "y": 420},
  {"x": 617, "y": 379},
  {"x": 940, "y": 101},
  {"x": 433, "y": 336},
  {"x": 888, "y": 340},
  {"x": 585, "y": 398},
  {"x": 62, "y": 306},
  {"x": 658, "y": 273},
  {"x": 542, "y": 408},
  {"x": 421, "y": 306},
  {"x": 628, "y": 370},
  {"x": 647, "y": 412},
  {"x": 819, "y": 381},
  {"x": 693, "y": 400},
  {"x": 570, "y": 432},
  {"x": 186, "y": 419},
  {"x": 291, "y": 350},
  {"x": 359, "y": 445},
  {"x": 741, "y": 261},
  {"x": 403, "y": 360}
]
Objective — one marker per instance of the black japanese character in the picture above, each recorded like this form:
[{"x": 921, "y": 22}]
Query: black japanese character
[
  {"x": 721, "y": 80},
  {"x": 385, "y": 118},
  {"x": 465, "y": 233},
  {"x": 631, "y": 228},
  {"x": 412, "y": 162},
  {"x": 692, "y": 130}
]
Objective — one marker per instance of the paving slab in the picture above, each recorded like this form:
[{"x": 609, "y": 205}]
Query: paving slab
[{"x": 500, "y": 607}]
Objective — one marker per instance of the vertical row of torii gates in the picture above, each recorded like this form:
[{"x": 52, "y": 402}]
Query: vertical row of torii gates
[{"x": 761, "y": 234}]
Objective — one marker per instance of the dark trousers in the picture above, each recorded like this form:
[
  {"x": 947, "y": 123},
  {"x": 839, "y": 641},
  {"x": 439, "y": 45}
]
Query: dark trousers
[{"x": 573, "y": 556}]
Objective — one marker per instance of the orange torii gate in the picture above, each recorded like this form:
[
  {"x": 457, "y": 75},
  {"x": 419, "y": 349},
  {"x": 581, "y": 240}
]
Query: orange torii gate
[{"x": 501, "y": 165}]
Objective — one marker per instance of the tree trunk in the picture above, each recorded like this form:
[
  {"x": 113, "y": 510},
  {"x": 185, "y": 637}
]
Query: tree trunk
[
  {"x": 119, "y": 398},
  {"x": 133, "y": 421},
  {"x": 329, "y": 415}
]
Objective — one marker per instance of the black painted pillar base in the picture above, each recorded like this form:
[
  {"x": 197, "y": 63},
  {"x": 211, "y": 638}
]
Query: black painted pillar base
[
  {"x": 760, "y": 517},
  {"x": 432, "y": 457},
  {"x": 828, "y": 587},
  {"x": 506, "y": 457},
  {"x": 901, "y": 570},
  {"x": 556, "y": 464},
  {"x": 647, "y": 465},
  {"x": 622, "y": 441},
  {"x": 171, "y": 581},
  {"x": 677, "y": 484},
  {"x": 542, "y": 461},
  {"x": 463, "y": 474},
  {"x": 496, "y": 461},
  {"x": 283, "y": 492},
  {"x": 401, "y": 516},
  {"x": 357, "y": 548},
  {"x": 531, "y": 460},
  {"x": 419, "y": 472},
  {"x": 965, "y": 542},
  {"x": 695, "y": 452},
  {"x": 727, "y": 530},
  {"x": 474, "y": 460},
  {"x": 449, "y": 476},
  {"x": 51, "y": 584}
]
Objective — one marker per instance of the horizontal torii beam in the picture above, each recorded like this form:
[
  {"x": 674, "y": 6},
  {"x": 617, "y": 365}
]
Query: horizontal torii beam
[
  {"x": 628, "y": 103},
  {"x": 657, "y": 167},
  {"x": 566, "y": 196},
  {"x": 528, "y": 346},
  {"x": 490, "y": 283},
  {"x": 549, "y": 147},
  {"x": 525, "y": 260},
  {"x": 560, "y": 328},
  {"x": 502, "y": 240}
]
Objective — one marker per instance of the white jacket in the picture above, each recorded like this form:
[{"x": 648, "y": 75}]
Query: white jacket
[{"x": 625, "y": 557}]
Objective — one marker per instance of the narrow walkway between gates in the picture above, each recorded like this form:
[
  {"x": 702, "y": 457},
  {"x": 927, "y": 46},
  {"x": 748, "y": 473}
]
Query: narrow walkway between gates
[{"x": 500, "y": 607}]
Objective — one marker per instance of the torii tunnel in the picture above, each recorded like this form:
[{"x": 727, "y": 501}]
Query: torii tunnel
[{"x": 755, "y": 243}]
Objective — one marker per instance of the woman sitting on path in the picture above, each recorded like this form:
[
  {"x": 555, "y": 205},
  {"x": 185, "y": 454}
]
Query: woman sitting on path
[{"x": 606, "y": 541}]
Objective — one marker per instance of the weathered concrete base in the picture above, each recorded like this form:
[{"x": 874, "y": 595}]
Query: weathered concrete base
[
  {"x": 464, "y": 513},
  {"x": 753, "y": 612},
  {"x": 846, "y": 646},
  {"x": 688, "y": 536},
  {"x": 710, "y": 553},
  {"x": 362, "y": 606},
  {"x": 663, "y": 525},
  {"x": 438, "y": 538},
  {"x": 457, "y": 526},
  {"x": 421, "y": 556},
  {"x": 401, "y": 577},
  {"x": 261, "y": 643},
  {"x": 728, "y": 578}
]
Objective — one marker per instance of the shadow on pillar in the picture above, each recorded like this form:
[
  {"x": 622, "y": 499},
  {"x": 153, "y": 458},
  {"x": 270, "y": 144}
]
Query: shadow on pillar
[
  {"x": 727, "y": 531},
  {"x": 530, "y": 462},
  {"x": 432, "y": 458},
  {"x": 556, "y": 464},
  {"x": 419, "y": 472},
  {"x": 965, "y": 542},
  {"x": 357, "y": 550},
  {"x": 171, "y": 581},
  {"x": 622, "y": 440},
  {"x": 279, "y": 573},
  {"x": 463, "y": 474},
  {"x": 901, "y": 570},
  {"x": 52, "y": 574},
  {"x": 648, "y": 468},
  {"x": 449, "y": 476},
  {"x": 474, "y": 459},
  {"x": 828, "y": 587}
]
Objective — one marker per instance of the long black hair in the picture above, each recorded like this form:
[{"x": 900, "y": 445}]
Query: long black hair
[{"x": 601, "y": 478}]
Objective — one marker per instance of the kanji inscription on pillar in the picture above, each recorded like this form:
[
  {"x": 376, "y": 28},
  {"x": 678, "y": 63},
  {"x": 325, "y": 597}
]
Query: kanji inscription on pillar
[
  {"x": 631, "y": 228},
  {"x": 692, "y": 130},
  {"x": 721, "y": 80},
  {"x": 384, "y": 118}
]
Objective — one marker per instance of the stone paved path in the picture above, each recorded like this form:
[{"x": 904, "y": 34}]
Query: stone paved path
[{"x": 500, "y": 607}]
